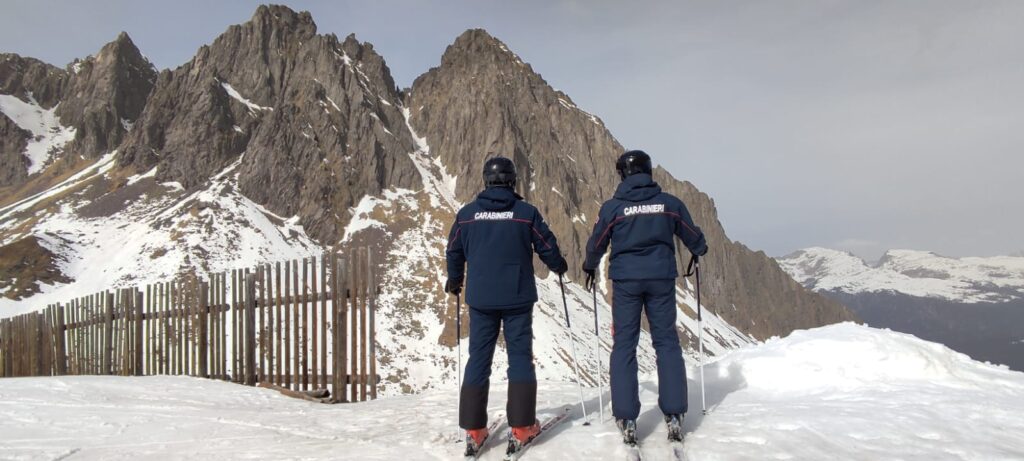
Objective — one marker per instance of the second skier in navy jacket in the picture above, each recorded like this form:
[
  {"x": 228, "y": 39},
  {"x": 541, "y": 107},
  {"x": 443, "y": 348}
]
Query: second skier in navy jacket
[
  {"x": 640, "y": 223},
  {"x": 496, "y": 236}
]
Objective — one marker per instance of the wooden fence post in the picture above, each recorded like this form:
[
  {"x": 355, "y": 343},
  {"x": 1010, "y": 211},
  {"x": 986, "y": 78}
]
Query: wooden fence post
[
  {"x": 250, "y": 330},
  {"x": 60, "y": 345},
  {"x": 313, "y": 362},
  {"x": 363, "y": 295},
  {"x": 5, "y": 353},
  {"x": 371, "y": 297},
  {"x": 337, "y": 300},
  {"x": 261, "y": 332},
  {"x": 108, "y": 333},
  {"x": 139, "y": 371},
  {"x": 3, "y": 348},
  {"x": 287, "y": 356},
  {"x": 324, "y": 321},
  {"x": 354, "y": 297},
  {"x": 296, "y": 332},
  {"x": 342, "y": 338},
  {"x": 204, "y": 292}
]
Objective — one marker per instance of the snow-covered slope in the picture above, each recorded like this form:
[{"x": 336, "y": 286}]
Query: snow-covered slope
[
  {"x": 914, "y": 273},
  {"x": 838, "y": 392},
  {"x": 145, "y": 232}
]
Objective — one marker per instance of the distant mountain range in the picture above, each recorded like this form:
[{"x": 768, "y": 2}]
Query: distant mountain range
[{"x": 974, "y": 305}]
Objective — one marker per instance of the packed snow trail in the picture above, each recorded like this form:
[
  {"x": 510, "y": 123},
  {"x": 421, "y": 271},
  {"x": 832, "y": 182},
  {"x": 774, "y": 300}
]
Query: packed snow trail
[{"x": 838, "y": 392}]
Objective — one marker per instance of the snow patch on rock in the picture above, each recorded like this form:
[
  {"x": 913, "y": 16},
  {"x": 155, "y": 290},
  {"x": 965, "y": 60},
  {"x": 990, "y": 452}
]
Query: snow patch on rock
[{"x": 48, "y": 135}]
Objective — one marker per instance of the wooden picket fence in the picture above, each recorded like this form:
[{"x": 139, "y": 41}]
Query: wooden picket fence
[{"x": 276, "y": 324}]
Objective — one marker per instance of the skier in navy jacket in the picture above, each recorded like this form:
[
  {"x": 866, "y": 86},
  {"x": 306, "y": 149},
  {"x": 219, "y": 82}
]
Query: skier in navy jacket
[
  {"x": 641, "y": 223},
  {"x": 496, "y": 235}
]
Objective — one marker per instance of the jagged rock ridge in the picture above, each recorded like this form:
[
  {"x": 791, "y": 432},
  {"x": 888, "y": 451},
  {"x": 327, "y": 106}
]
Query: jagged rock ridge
[
  {"x": 316, "y": 118},
  {"x": 99, "y": 97}
]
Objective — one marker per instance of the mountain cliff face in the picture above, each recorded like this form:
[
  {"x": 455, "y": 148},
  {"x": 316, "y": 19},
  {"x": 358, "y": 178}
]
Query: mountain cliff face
[
  {"x": 484, "y": 101},
  {"x": 277, "y": 142},
  {"x": 104, "y": 95},
  {"x": 93, "y": 104},
  {"x": 316, "y": 118}
]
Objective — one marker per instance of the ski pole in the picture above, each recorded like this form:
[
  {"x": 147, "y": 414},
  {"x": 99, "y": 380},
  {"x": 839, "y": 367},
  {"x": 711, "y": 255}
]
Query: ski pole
[
  {"x": 597, "y": 353},
  {"x": 700, "y": 338},
  {"x": 458, "y": 345},
  {"x": 575, "y": 362}
]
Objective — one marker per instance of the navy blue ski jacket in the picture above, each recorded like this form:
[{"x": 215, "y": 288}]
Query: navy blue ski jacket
[
  {"x": 497, "y": 235},
  {"x": 640, "y": 222}
]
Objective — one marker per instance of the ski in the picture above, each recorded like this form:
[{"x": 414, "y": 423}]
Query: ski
[
  {"x": 674, "y": 424},
  {"x": 677, "y": 451},
  {"x": 472, "y": 449},
  {"x": 633, "y": 453},
  {"x": 628, "y": 431},
  {"x": 515, "y": 449}
]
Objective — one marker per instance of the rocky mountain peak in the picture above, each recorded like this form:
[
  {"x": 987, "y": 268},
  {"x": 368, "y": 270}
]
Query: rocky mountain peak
[
  {"x": 270, "y": 19},
  {"x": 105, "y": 94},
  {"x": 479, "y": 50},
  {"x": 318, "y": 120}
]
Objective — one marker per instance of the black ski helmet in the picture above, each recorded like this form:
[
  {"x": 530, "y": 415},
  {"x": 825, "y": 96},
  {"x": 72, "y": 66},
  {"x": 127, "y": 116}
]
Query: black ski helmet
[
  {"x": 499, "y": 172},
  {"x": 633, "y": 162}
]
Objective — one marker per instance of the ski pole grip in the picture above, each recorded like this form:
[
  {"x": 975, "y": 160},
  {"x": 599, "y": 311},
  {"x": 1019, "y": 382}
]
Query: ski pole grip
[{"x": 690, "y": 267}]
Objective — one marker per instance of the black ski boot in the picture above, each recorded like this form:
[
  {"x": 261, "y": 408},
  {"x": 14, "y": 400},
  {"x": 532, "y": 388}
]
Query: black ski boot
[
  {"x": 675, "y": 427},
  {"x": 628, "y": 429}
]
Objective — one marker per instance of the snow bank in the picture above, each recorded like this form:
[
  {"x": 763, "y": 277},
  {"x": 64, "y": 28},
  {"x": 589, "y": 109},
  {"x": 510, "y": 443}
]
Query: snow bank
[
  {"x": 853, "y": 392},
  {"x": 839, "y": 392}
]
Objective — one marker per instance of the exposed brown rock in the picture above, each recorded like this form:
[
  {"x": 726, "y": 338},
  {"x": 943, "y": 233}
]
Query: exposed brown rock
[
  {"x": 24, "y": 264},
  {"x": 323, "y": 128},
  {"x": 21, "y": 76},
  {"x": 13, "y": 163},
  {"x": 100, "y": 96},
  {"x": 104, "y": 95}
]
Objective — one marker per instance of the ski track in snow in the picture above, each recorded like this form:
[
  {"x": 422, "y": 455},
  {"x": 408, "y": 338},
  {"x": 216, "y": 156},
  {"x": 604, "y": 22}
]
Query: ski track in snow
[{"x": 844, "y": 392}]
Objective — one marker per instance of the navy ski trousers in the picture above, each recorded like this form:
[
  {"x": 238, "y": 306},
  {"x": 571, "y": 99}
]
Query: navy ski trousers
[
  {"x": 657, "y": 298},
  {"x": 484, "y": 326}
]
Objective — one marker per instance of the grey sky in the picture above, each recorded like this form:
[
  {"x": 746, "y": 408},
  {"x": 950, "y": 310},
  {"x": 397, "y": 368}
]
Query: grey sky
[{"x": 857, "y": 125}]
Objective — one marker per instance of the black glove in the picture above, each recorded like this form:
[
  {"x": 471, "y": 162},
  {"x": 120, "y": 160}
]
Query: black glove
[
  {"x": 589, "y": 282},
  {"x": 703, "y": 251},
  {"x": 561, "y": 268},
  {"x": 453, "y": 286}
]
